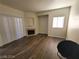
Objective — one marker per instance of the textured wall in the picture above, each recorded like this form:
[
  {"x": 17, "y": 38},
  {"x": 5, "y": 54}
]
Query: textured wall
[{"x": 73, "y": 28}]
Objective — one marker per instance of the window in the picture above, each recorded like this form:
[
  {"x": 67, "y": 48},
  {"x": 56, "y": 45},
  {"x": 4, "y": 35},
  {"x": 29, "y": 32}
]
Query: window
[{"x": 58, "y": 22}]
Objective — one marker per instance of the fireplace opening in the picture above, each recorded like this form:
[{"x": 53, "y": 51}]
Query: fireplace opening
[{"x": 31, "y": 32}]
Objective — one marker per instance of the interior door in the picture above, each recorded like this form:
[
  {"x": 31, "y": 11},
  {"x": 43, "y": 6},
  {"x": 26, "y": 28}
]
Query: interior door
[{"x": 43, "y": 24}]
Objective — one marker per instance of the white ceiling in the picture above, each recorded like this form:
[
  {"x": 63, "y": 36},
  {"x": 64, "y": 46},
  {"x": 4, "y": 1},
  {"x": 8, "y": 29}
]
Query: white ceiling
[{"x": 37, "y": 5}]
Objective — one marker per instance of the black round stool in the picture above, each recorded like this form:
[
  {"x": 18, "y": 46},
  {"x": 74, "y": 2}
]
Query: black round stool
[{"x": 68, "y": 49}]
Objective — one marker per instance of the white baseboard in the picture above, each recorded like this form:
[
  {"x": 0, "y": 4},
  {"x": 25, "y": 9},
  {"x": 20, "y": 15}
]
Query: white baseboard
[{"x": 56, "y": 36}]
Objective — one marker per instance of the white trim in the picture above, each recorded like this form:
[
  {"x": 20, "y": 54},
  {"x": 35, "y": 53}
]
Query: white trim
[{"x": 56, "y": 36}]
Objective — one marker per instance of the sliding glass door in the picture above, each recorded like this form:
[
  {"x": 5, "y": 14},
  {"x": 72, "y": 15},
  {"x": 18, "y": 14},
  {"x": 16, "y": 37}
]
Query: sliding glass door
[
  {"x": 11, "y": 28},
  {"x": 19, "y": 27}
]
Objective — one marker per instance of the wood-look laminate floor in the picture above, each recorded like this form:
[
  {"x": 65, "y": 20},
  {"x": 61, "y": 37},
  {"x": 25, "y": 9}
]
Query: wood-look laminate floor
[{"x": 34, "y": 47}]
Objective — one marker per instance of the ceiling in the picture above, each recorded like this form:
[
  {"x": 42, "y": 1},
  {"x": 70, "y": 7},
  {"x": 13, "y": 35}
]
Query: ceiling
[{"x": 36, "y": 5}]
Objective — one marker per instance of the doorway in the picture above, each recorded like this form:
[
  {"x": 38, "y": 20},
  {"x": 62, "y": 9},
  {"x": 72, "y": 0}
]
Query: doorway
[{"x": 43, "y": 24}]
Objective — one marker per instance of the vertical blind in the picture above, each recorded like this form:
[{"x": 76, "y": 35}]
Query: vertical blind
[{"x": 11, "y": 28}]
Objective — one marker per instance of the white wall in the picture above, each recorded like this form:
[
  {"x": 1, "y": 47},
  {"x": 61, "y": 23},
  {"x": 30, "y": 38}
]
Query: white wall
[
  {"x": 33, "y": 15},
  {"x": 73, "y": 28},
  {"x": 8, "y": 11},
  {"x": 58, "y": 32},
  {"x": 43, "y": 24},
  {"x": 57, "y": 12}
]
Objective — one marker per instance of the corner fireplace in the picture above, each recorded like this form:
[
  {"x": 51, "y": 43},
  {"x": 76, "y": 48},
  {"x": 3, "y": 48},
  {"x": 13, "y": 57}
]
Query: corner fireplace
[{"x": 31, "y": 31}]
